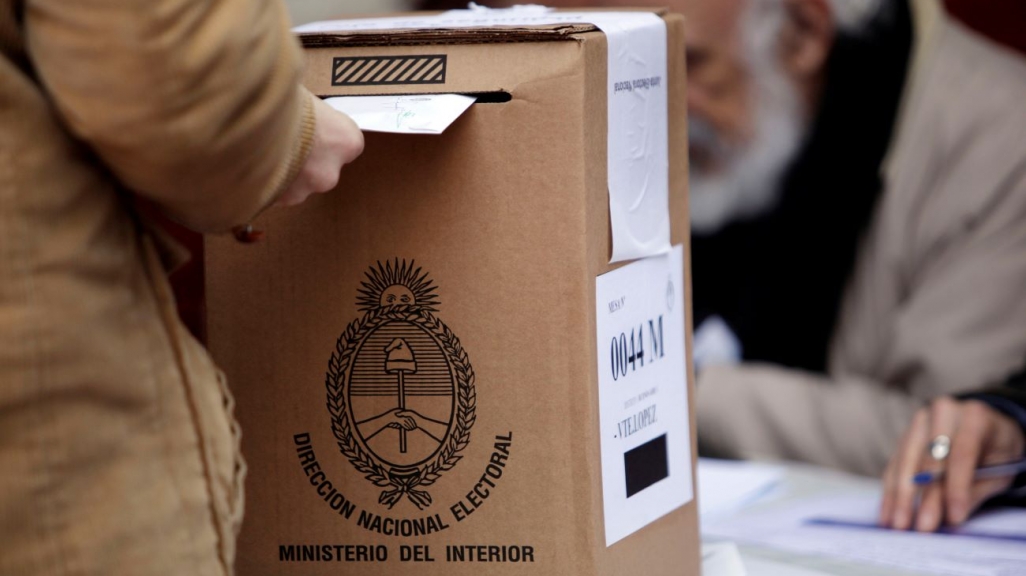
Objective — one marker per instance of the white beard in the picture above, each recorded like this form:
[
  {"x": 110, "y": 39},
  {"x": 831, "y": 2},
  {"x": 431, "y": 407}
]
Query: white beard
[{"x": 749, "y": 184}]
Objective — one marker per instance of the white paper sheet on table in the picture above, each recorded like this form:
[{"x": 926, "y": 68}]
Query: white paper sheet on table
[
  {"x": 637, "y": 93},
  {"x": 413, "y": 114},
  {"x": 722, "y": 559},
  {"x": 728, "y": 485},
  {"x": 788, "y": 527},
  {"x": 757, "y": 566},
  {"x": 1000, "y": 523}
]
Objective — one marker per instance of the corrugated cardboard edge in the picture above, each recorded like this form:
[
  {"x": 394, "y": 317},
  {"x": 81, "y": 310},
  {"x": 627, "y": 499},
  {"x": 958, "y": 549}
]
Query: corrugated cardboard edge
[
  {"x": 446, "y": 36},
  {"x": 499, "y": 34}
]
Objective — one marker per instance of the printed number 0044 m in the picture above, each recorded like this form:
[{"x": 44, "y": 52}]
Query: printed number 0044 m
[{"x": 629, "y": 350}]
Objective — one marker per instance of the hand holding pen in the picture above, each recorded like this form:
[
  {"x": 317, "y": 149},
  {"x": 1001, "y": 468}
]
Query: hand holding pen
[
  {"x": 1006, "y": 470},
  {"x": 954, "y": 456}
]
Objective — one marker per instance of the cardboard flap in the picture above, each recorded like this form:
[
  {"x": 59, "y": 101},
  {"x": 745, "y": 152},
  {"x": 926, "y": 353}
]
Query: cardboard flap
[
  {"x": 456, "y": 34},
  {"x": 445, "y": 36}
]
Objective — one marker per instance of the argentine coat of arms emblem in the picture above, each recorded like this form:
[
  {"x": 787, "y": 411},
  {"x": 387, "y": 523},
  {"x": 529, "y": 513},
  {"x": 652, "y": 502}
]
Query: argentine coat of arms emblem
[{"x": 400, "y": 386}]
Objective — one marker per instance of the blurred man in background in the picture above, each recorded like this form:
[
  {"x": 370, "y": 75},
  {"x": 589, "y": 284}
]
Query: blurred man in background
[
  {"x": 858, "y": 199},
  {"x": 118, "y": 450},
  {"x": 858, "y": 210}
]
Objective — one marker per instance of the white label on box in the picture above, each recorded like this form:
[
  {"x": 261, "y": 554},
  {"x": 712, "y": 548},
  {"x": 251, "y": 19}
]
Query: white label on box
[
  {"x": 644, "y": 429},
  {"x": 637, "y": 142},
  {"x": 637, "y": 139}
]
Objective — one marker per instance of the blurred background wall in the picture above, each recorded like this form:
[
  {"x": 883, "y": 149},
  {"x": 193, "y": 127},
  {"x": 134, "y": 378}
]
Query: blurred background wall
[{"x": 304, "y": 11}]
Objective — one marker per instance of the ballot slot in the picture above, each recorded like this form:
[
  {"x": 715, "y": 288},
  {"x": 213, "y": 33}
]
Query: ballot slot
[
  {"x": 494, "y": 97},
  {"x": 411, "y": 113},
  {"x": 484, "y": 97}
]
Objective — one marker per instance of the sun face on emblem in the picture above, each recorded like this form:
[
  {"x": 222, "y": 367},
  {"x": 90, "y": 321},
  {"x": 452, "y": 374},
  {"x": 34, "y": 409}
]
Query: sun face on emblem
[
  {"x": 396, "y": 285},
  {"x": 400, "y": 387},
  {"x": 396, "y": 295}
]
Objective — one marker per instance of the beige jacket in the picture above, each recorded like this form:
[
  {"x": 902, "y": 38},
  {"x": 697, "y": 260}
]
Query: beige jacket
[
  {"x": 116, "y": 448},
  {"x": 937, "y": 303}
]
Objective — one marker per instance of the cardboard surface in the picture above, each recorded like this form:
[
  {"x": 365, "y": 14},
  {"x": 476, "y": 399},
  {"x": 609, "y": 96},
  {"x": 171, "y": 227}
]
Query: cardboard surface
[{"x": 497, "y": 230}]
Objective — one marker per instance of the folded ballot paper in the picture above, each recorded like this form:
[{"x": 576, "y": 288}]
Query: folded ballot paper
[
  {"x": 439, "y": 371},
  {"x": 407, "y": 114}
]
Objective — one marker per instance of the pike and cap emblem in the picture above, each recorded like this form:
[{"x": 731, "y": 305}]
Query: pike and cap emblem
[{"x": 400, "y": 386}]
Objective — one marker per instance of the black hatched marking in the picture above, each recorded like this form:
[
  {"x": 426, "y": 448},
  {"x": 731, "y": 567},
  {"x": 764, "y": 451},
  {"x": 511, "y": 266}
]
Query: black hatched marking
[{"x": 383, "y": 70}]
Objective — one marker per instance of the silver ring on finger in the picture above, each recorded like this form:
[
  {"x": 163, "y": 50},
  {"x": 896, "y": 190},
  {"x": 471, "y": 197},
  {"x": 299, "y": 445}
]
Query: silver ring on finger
[{"x": 940, "y": 448}]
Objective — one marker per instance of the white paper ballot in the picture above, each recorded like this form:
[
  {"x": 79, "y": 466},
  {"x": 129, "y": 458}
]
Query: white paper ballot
[
  {"x": 722, "y": 559},
  {"x": 724, "y": 486},
  {"x": 643, "y": 396},
  {"x": 637, "y": 114},
  {"x": 798, "y": 526},
  {"x": 415, "y": 114}
]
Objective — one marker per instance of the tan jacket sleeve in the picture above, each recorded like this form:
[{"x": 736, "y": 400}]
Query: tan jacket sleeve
[
  {"x": 194, "y": 104},
  {"x": 961, "y": 327},
  {"x": 767, "y": 412}
]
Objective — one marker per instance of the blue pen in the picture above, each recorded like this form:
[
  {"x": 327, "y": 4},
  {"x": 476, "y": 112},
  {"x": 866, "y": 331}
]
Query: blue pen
[{"x": 983, "y": 472}]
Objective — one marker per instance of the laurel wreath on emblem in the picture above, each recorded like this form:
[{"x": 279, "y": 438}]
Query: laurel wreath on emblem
[{"x": 399, "y": 485}]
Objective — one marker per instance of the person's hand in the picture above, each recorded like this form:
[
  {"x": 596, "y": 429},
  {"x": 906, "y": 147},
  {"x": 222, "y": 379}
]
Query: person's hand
[
  {"x": 413, "y": 417},
  {"x": 337, "y": 141},
  {"x": 400, "y": 419},
  {"x": 979, "y": 436}
]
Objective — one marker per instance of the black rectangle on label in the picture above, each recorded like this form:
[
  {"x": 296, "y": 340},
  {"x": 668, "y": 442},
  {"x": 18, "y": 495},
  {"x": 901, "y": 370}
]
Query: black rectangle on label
[{"x": 645, "y": 465}]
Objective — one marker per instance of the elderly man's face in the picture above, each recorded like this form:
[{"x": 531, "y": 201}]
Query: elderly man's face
[
  {"x": 745, "y": 104},
  {"x": 719, "y": 79},
  {"x": 751, "y": 72}
]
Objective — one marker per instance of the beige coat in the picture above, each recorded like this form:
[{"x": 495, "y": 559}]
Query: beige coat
[
  {"x": 937, "y": 303},
  {"x": 116, "y": 448}
]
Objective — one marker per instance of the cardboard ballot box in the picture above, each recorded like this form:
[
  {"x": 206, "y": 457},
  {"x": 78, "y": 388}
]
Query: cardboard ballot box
[{"x": 437, "y": 369}]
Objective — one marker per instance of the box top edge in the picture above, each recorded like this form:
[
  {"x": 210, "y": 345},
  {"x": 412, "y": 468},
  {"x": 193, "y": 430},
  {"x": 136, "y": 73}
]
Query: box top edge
[{"x": 461, "y": 35}]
